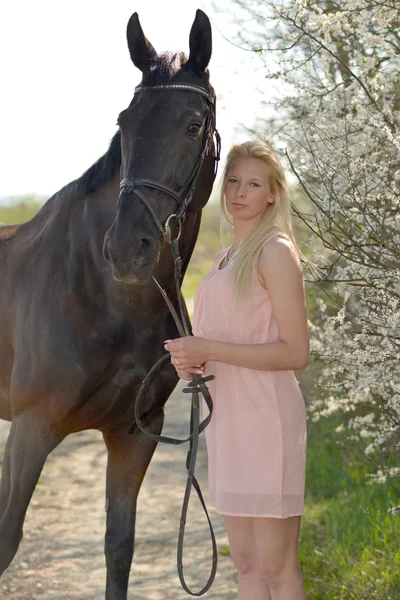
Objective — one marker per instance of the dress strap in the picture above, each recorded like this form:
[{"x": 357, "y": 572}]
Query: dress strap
[
  {"x": 268, "y": 239},
  {"x": 271, "y": 236},
  {"x": 275, "y": 233}
]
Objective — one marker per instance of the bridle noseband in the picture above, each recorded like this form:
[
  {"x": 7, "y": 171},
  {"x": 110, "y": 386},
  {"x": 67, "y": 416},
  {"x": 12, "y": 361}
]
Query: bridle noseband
[{"x": 130, "y": 185}]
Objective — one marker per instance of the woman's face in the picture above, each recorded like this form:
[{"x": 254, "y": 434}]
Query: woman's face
[{"x": 247, "y": 190}]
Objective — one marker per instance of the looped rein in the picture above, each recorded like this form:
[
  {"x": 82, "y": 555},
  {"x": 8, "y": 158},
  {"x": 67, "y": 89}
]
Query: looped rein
[{"x": 198, "y": 383}]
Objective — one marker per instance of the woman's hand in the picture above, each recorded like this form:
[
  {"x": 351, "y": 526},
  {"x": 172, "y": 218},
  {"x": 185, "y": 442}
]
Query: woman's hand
[
  {"x": 188, "y": 354},
  {"x": 187, "y": 375}
]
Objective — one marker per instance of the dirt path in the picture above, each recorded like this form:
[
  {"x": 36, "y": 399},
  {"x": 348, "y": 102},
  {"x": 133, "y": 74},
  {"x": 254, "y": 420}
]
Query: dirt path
[{"x": 61, "y": 554}]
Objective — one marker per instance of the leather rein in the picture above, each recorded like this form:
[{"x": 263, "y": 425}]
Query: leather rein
[{"x": 198, "y": 383}]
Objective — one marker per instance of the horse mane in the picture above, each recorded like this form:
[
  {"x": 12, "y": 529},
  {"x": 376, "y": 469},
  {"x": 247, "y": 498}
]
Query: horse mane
[{"x": 98, "y": 174}]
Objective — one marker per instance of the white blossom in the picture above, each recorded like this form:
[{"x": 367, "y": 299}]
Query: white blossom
[{"x": 338, "y": 117}]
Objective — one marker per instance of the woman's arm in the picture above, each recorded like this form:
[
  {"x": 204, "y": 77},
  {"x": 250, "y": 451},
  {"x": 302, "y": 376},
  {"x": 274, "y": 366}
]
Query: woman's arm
[
  {"x": 273, "y": 356},
  {"x": 282, "y": 274}
]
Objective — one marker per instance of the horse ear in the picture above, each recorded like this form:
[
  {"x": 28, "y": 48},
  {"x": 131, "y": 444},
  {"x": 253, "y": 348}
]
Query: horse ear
[
  {"x": 141, "y": 51},
  {"x": 200, "y": 43}
]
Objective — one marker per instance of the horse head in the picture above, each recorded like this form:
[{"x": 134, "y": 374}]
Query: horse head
[{"x": 167, "y": 148}]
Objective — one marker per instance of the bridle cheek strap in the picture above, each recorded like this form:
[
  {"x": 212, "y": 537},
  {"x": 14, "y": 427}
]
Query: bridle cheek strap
[{"x": 183, "y": 198}]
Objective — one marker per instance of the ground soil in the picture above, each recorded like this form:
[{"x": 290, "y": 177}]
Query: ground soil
[{"x": 61, "y": 555}]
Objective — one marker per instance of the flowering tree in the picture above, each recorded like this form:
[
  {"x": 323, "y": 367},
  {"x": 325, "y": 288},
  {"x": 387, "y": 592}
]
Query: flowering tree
[{"x": 337, "y": 64}]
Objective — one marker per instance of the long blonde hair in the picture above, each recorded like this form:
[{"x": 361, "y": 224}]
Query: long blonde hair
[{"x": 277, "y": 216}]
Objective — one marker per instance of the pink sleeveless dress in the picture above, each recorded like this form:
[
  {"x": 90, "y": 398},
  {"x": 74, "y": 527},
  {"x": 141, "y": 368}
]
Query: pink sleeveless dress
[{"x": 256, "y": 439}]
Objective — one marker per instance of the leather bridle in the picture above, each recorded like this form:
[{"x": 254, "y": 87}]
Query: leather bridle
[
  {"x": 198, "y": 383},
  {"x": 130, "y": 185}
]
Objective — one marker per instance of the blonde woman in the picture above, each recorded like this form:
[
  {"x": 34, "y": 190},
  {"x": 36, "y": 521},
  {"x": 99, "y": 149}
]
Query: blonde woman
[{"x": 250, "y": 332}]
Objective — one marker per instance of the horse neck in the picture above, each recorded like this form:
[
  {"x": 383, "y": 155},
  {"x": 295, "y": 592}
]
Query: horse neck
[{"x": 71, "y": 231}]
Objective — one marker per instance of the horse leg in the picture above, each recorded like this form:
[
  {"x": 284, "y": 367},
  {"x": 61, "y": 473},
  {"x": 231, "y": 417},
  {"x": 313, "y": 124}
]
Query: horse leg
[
  {"x": 30, "y": 441},
  {"x": 128, "y": 458}
]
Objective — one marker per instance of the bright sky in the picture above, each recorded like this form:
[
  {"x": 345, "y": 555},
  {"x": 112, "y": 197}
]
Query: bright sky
[{"x": 66, "y": 74}]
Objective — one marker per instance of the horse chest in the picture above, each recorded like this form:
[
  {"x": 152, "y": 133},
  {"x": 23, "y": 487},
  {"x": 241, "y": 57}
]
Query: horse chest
[{"x": 110, "y": 399}]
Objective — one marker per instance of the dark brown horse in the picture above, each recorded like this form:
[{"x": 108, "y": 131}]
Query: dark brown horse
[{"x": 81, "y": 319}]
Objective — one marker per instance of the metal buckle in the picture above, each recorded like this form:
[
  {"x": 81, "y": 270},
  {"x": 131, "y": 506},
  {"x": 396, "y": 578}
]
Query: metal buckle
[{"x": 167, "y": 229}]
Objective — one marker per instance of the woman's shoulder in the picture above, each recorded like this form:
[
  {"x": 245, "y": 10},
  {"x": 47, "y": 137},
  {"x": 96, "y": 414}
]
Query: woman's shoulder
[
  {"x": 281, "y": 247},
  {"x": 277, "y": 236}
]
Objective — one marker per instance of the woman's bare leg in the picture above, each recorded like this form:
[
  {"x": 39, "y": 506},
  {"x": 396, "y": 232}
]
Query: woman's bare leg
[
  {"x": 276, "y": 542},
  {"x": 244, "y": 553}
]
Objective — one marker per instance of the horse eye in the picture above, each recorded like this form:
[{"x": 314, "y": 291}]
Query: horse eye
[{"x": 194, "y": 128}]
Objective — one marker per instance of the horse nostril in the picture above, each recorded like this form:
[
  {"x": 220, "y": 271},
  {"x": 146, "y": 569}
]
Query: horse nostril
[{"x": 146, "y": 244}]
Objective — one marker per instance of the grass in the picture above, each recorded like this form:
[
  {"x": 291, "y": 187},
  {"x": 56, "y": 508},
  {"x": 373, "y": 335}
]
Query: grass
[
  {"x": 349, "y": 544},
  {"x": 19, "y": 212},
  {"x": 223, "y": 550}
]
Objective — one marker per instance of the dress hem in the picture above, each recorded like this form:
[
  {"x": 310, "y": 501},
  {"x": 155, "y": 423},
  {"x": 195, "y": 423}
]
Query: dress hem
[{"x": 230, "y": 514}]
